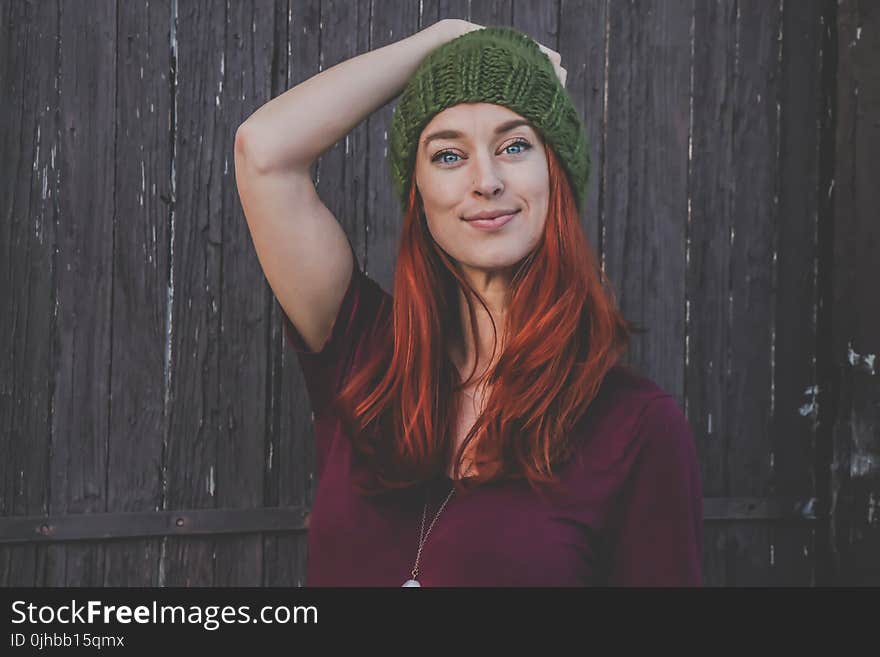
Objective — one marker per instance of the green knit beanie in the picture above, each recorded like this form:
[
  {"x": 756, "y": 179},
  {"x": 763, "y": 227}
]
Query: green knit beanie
[{"x": 496, "y": 64}]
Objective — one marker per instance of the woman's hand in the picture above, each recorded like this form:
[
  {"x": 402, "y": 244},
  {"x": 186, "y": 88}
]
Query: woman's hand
[{"x": 461, "y": 26}]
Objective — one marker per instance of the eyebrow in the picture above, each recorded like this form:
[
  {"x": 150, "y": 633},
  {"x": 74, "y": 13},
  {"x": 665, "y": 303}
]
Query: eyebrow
[{"x": 455, "y": 134}]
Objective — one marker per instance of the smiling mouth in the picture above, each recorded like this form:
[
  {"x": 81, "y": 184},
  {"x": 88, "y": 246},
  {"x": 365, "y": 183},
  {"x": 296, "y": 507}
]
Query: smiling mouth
[
  {"x": 475, "y": 218},
  {"x": 491, "y": 224}
]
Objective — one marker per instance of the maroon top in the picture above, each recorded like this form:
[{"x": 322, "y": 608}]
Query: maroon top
[{"x": 630, "y": 514}]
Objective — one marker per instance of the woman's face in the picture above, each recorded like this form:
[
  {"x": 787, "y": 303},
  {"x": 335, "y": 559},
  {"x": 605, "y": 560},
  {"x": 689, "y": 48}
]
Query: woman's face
[{"x": 479, "y": 170}]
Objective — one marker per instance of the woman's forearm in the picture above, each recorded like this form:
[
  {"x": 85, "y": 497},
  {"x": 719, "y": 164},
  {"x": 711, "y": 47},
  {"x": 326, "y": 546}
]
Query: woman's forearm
[{"x": 295, "y": 128}]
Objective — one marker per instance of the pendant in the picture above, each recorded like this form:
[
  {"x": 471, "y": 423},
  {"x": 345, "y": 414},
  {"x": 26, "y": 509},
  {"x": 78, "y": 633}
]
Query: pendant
[{"x": 411, "y": 582}]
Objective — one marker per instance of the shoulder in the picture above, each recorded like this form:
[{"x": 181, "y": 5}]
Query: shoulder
[{"x": 630, "y": 410}]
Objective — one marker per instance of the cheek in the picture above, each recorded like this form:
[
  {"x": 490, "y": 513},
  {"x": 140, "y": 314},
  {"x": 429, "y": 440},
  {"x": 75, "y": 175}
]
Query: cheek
[{"x": 535, "y": 182}]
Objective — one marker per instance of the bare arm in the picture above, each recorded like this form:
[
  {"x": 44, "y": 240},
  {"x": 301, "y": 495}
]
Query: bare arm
[
  {"x": 295, "y": 128},
  {"x": 302, "y": 249}
]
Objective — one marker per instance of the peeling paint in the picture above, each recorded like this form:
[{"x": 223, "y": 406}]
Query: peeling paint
[
  {"x": 872, "y": 508},
  {"x": 861, "y": 465},
  {"x": 211, "y": 481},
  {"x": 811, "y": 407},
  {"x": 37, "y": 150},
  {"x": 865, "y": 362}
]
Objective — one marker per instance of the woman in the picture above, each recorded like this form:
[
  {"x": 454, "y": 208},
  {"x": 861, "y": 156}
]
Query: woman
[{"x": 476, "y": 428}]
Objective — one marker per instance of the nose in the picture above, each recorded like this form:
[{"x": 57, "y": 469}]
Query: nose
[{"x": 487, "y": 181}]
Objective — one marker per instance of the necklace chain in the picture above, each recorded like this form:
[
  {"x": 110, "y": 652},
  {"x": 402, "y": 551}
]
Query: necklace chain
[{"x": 423, "y": 535}]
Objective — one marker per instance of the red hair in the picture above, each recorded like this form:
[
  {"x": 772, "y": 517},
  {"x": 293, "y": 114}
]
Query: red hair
[{"x": 563, "y": 333}]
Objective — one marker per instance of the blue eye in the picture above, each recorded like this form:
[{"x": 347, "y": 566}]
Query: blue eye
[{"x": 519, "y": 142}]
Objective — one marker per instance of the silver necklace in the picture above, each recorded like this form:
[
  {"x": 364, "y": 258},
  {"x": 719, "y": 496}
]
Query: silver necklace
[{"x": 423, "y": 536}]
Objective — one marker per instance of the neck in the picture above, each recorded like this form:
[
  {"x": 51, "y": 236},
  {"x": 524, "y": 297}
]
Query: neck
[{"x": 476, "y": 349}]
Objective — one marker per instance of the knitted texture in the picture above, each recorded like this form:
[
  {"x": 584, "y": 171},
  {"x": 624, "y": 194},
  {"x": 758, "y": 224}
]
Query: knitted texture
[{"x": 496, "y": 64}]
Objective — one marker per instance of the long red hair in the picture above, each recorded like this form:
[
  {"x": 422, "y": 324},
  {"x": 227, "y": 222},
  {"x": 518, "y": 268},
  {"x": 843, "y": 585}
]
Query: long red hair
[{"x": 563, "y": 333}]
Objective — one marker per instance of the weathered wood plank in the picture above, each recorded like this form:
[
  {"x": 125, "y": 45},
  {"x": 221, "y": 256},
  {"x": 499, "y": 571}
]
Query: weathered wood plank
[
  {"x": 126, "y": 525},
  {"x": 794, "y": 407},
  {"x": 140, "y": 284},
  {"x": 645, "y": 186},
  {"x": 491, "y": 12},
  {"x": 434, "y": 10},
  {"x": 540, "y": 20},
  {"x": 84, "y": 277},
  {"x": 196, "y": 414},
  {"x": 29, "y": 144},
  {"x": 711, "y": 197},
  {"x": 753, "y": 215},
  {"x": 737, "y": 181},
  {"x": 826, "y": 366},
  {"x": 855, "y": 471},
  {"x": 248, "y": 52}
]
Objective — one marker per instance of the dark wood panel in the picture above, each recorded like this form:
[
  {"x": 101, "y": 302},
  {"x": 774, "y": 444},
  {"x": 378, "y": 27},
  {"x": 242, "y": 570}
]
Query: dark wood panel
[
  {"x": 746, "y": 200},
  {"x": 199, "y": 151},
  {"x": 645, "y": 181},
  {"x": 491, "y": 12},
  {"x": 855, "y": 470},
  {"x": 189, "y": 522},
  {"x": 29, "y": 146},
  {"x": 84, "y": 281},
  {"x": 711, "y": 198},
  {"x": 434, "y": 10},
  {"x": 795, "y": 272},
  {"x": 731, "y": 557},
  {"x": 540, "y": 20},
  {"x": 244, "y": 346},
  {"x": 828, "y": 372},
  {"x": 140, "y": 283},
  {"x": 755, "y": 147}
]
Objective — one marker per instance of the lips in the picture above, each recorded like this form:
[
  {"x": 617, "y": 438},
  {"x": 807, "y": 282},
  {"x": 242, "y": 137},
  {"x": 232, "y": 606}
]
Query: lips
[
  {"x": 491, "y": 224},
  {"x": 491, "y": 214}
]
